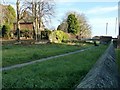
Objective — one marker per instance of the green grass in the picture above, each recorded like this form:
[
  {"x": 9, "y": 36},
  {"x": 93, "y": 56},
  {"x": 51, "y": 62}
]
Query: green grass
[
  {"x": 62, "y": 72},
  {"x": 16, "y": 54},
  {"x": 118, "y": 58}
]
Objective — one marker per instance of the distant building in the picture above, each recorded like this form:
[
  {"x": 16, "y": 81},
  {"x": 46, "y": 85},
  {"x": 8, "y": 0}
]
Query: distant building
[
  {"x": 24, "y": 26},
  {"x": 27, "y": 26}
]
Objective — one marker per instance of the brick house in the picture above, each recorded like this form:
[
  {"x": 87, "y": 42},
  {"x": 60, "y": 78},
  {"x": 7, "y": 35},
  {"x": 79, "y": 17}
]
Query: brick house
[
  {"x": 24, "y": 26},
  {"x": 27, "y": 26}
]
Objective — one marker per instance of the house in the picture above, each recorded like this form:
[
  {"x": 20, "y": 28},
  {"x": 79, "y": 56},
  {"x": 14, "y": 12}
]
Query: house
[
  {"x": 24, "y": 26},
  {"x": 27, "y": 26},
  {"x": 26, "y": 29}
]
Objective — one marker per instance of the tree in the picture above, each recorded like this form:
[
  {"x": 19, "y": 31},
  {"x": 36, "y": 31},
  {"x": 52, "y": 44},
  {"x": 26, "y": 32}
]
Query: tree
[
  {"x": 21, "y": 14},
  {"x": 41, "y": 10},
  {"x": 83, "y": 27},
  {"x": 11, "y": 15},
  {"x": 63, "y": 26},
  {"x": 7, "y": 19},
  {"x": 8, "y": 16},
  {"x": 5, "y": 31},
  {"x": 73, "y": 25},
  {"x": 18, "y": 19}
]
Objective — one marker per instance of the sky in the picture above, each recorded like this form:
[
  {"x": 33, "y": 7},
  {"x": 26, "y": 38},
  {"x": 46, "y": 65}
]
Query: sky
[{"x": 97, "y": 12}]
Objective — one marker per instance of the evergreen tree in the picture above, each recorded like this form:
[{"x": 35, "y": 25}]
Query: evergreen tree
[
  {"x": 5, "y": 30},
  {"x": 73, "y": 25},
  {"x": 78, "y": 21}
]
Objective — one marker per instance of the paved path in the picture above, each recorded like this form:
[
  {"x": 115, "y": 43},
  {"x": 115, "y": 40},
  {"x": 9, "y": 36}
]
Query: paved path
[{"x": 41, "y": 60}]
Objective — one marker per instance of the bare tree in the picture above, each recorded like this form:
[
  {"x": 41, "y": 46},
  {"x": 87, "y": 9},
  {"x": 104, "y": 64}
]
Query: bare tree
[
  {"x": 63, "y": 26},
  {"x": 21, "y": 14},
  {"x": 84, "y": 26},
  {"x": 41, "y": 10}
]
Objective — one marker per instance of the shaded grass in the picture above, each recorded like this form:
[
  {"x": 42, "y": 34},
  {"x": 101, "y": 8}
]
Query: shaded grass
[
  {"x": 16, "y": 54},
  {"x": 118, "y": 58},
  {"x": 62, "y": 72}
]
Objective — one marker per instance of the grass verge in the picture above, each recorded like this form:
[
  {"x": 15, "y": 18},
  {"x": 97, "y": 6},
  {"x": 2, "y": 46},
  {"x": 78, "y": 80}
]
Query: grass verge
[
  {"x": 62, "y": 72},
  {"x": 16, "y": 54},
  {"x": 118, "y": 58}
]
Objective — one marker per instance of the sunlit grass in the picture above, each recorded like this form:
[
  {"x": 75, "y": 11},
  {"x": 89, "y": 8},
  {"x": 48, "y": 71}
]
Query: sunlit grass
[
  {"x": 62, "y": 72},
  {"x": 16, "y": 54}
]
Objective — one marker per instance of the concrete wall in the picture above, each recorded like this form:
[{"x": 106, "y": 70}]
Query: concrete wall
[{"x": 104, "y": 73}]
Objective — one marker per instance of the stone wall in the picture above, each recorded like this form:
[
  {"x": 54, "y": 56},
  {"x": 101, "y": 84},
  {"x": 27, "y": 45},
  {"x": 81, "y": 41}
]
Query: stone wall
[{"x": 104, "y": 73}]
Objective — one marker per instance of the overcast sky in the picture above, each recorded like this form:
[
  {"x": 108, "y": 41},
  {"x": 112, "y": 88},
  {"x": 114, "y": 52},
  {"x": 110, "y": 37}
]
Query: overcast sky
[{"x": 98, "y": 13}]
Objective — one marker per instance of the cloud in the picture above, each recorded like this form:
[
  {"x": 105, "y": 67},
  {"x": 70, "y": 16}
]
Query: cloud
[
  {"x": 86, "y": 0},
  {"x": 102, "y": 10}
]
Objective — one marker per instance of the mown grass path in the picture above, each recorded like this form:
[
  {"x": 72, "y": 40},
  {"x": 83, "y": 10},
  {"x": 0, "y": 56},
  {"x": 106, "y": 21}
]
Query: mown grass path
[{"x": 41, "y": 60}]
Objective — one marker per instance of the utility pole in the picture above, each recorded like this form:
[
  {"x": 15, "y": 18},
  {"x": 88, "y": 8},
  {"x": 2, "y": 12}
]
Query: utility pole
[
  {"x": 106, "y": 27},
  {"x": 18, "y": 20}
]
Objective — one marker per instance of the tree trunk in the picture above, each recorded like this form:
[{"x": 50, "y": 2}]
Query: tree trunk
[
  {"x": 34, "y": 12},
  {"x": 18, "y": 18}
]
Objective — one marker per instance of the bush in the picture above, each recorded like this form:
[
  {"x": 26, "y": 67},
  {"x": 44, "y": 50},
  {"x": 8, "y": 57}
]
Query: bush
[
  {"x": 45, "y": 34},
  {"x": 58, "y": 36},
  {"x": 6, "y": 31},
  {"x": 25, "y": 33}
]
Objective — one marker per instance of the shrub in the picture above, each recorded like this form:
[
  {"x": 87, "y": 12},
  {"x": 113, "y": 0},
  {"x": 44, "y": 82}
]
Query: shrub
[
  {"x": 58, "y": 36},
  {"x": 25, "y": 33},
  {"x": 45, "y": 34},
  {"x": 5, "y": 31}
]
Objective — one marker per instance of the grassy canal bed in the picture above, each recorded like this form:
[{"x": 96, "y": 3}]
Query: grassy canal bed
[
  {"x": 62, "y": 72},
  {"x": 16, "y": 54}
]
